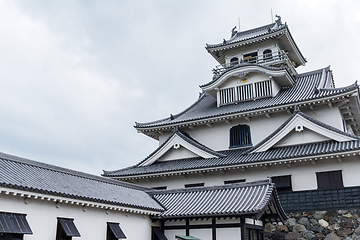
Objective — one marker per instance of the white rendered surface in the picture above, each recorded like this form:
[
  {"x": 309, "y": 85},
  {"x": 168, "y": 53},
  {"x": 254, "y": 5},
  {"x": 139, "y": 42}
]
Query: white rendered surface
[
  {"x": 91, "y": 223},
  {"x": 303, "y": 175}
]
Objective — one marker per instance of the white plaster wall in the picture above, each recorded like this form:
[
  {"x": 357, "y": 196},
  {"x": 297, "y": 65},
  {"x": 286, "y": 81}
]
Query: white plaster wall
[
  {"x": 217, "y": 137},
  {"x": 302, "y": 137},
  {"x": 259, "y": 47},
  {"x": 250, "y": 78},
  {"x": 177, "y": 154},
  {"x": 203, "y": 234},
  {"x": 228, "y": 233},
  {"x": 303, "y": 174},
  {"x": 325, "y": 114},
  {"x": 42, "y": 218}
]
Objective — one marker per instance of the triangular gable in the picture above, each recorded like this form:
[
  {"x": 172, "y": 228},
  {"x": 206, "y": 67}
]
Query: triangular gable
[
  {"x": 298, "y": 122},
  {"x": 176, "y": 141}
]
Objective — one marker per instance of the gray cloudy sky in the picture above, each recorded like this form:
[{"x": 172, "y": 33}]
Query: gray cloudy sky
[{"x": 76, "y": 75}]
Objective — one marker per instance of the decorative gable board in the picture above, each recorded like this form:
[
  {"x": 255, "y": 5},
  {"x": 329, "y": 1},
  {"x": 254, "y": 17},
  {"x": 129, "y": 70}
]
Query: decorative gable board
[
  {"x": 175, "y": 142},
  {"x": 248, "y": 78},
  {"x": 174, "y": 154},
  {"x": 305, "y": 136},
  {"x": 298, "y": 123}
]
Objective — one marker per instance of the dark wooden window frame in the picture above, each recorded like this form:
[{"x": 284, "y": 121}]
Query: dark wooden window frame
[
  {"x": 190, "y": 185},
  {"x": 240, "y": 136},
  {"x": 234, "y": 181},
  {"x": 282, "y": 183},
  {"x": 329, "y": 179}
]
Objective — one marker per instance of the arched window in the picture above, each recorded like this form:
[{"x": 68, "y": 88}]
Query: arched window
[
  {"x": 267, "y": 54},
  {"x": 234, "y": 61},
  {"x": 240, "y": 136}
]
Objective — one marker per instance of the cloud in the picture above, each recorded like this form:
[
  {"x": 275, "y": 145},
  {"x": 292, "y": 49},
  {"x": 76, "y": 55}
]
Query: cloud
[{"x": 76, "y": 75}]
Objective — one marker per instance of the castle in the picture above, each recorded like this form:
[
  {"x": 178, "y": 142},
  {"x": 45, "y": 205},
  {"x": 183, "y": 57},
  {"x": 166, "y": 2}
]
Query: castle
[{"x": 264, "y": 153}]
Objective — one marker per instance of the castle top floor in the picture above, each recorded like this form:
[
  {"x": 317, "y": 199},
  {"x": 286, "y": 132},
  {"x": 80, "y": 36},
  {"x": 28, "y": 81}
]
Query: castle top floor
[{"x": 269, "y": 45}]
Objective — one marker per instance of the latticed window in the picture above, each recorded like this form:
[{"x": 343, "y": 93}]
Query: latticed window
[
  {"x": 240, "y": 136},
  {"x": 245, "y": 92},
  {"x": 227, "y": 95},
  {"x": 254, "y": 234},
  {"x": 263, "y": 89}
]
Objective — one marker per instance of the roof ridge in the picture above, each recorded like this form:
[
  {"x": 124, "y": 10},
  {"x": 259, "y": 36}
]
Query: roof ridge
[
  {"x": 233, "y": 39},
  {"x": 176, "y": 115},
  {"x": 312, "y": 72},
  {"x": 21, "y": 160}
]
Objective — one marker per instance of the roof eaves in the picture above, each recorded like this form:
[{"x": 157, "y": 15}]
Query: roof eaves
[{"x": 234, "y": 41}]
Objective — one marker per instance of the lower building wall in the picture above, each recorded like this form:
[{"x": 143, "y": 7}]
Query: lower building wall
[
  {"x": 210, "y": 229},
  {"x": 91, "y": 222},
  {"x": 332, "y": 224}
]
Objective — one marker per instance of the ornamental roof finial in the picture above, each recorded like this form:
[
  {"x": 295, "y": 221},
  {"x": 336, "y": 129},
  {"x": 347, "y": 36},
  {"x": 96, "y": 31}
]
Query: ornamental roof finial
[
  {"x": 233, "y": 32},
  {"x": 278, "y": 20}
]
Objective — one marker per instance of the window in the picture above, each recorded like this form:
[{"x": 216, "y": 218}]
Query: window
[
  {"x": 263, "y": 89},
  {"x": 157, "y": 234},
  {"x": 267, "y": 55},
  {"x": 66, "y": 229},
  {"x": 329, "y": 180},
  {"x": 227, "y": 95},
  {"x": 282, "y": 183},
  {"x": 160, "y": 188},
  {"x": 240, "y": 136},
  {"x": 251, "y": 57},
  {"x": 194, "y": 185},
  {"x": 245, "y": 92},
  {"x": 114, "y": 232},
  {"x": 13, "y": 226},
  {"x": 234, "y": 181},
  {"x": 234, "y": 61},
  {"x": 254, "y": 234}
]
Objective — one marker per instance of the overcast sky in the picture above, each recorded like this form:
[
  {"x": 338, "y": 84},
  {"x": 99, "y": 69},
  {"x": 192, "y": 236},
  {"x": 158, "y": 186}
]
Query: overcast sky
[{"x": 76, "y": 75}]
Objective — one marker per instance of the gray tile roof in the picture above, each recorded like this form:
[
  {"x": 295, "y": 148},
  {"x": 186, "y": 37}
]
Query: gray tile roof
[
  {"x": 250, "y": 198},
  {"x": 273, "y": 30},
  {"x": 248, "y": 34},
  {"x": 247, "y": 155},
  {"x": 25, "y": 174},
  {"x": 298, "y": 112},
  {"x": 237, "y": 157},
  {"x": 205, "y": 107}
]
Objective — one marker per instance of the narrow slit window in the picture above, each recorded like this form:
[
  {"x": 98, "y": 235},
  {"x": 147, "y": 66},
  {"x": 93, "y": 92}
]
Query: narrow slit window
[
  {"x": 194, "y": 185},
  {"x": 234, "y": 181}
]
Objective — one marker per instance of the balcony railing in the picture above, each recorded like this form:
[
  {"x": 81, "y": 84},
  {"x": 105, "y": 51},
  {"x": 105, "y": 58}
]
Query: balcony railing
[{"x": 266, "y": 59}]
